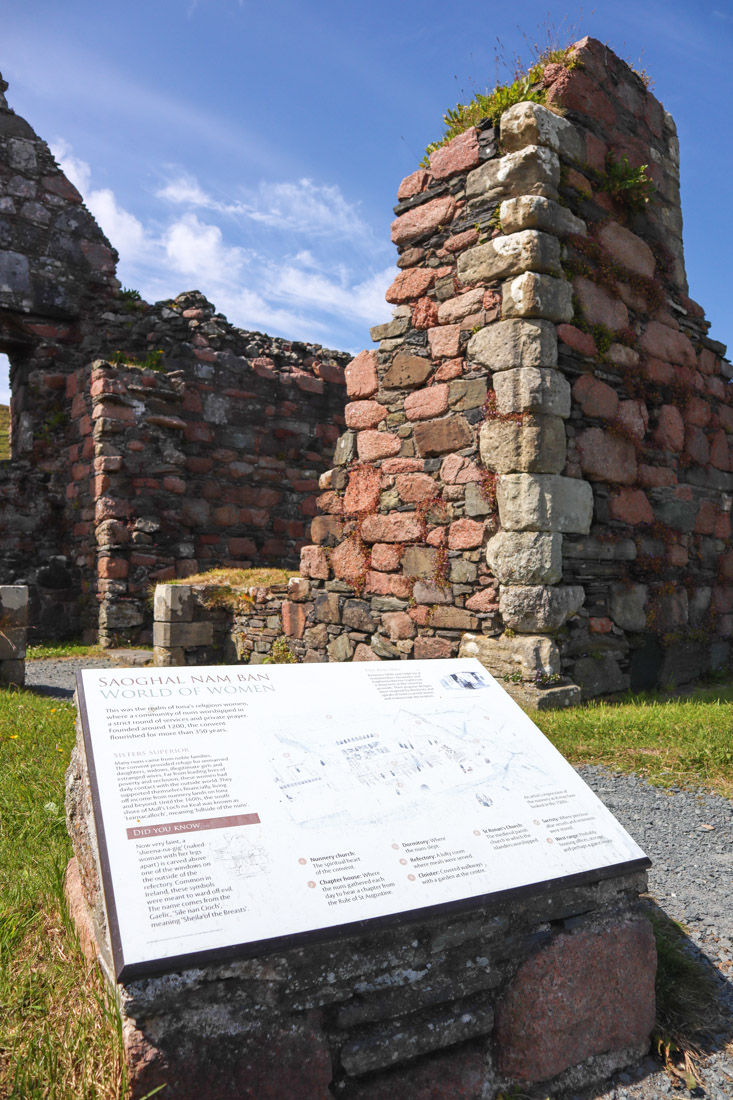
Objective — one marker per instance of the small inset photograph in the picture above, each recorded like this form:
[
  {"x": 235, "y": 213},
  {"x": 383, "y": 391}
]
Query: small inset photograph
[{"x": 458, "y": 681}]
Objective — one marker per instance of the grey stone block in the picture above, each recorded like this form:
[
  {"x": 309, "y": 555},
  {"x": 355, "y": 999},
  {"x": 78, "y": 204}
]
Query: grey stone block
[
  {"x": 15, "y": 280},
  {"x": 13, "y": 605},
  {"x": 183, "y": 634},
  {"x": 173, "y": 603},
  {"x": 534, "y": 170},
  {"x": 628, "y": 602},
  {"x": 514, "y": 343},
  {"x": 120, "y": 616},
  {"x": 345, "y": 449},
  {"x": 341, "y": 648},
  {"x": 544, "y": 502},
  {"x": 391, "y": 330},
  {"x": 509, "y": 255},
  {"x": 532, "y": 389},
  {"x": 12, "y": 672},
  {"x": 22, "y": 155},
  {"x": 525, "y": 557},
  {"x": 533, "y": 295},
  {"x": 168, "y": 656},
  {"x": 536, "y": 212},
  {"x": 599, "y": 675},
  {"x": 12, "y": 642},
  {"x": 532, "y": 124},
  {"x": 504, "y": 656},
  {"x": 539, "y": 608},
  {"x": 475, "y": 503},
  {"x": 699, "y": 604},
  {"x": 534, "y": 444},
  {"x": 382, "y": 1045}
]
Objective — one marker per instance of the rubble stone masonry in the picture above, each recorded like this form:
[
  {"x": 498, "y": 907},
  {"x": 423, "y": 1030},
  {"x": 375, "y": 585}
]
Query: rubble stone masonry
[
  {"x": 537, "y": 463},
  {"x": 148, "y": 441},
  {"x": 533, "y": 466}
]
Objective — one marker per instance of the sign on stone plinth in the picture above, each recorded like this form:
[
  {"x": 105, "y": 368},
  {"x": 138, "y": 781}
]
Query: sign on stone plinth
[{"x": 241, "y": 808}]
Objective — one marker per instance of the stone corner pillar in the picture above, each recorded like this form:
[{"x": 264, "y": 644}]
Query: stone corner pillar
[{"x": 523, "y": 440}]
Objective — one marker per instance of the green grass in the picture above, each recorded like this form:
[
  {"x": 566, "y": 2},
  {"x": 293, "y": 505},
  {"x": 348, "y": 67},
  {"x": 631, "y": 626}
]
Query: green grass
[
  {"x": 59, "y": 1037},
  {"x": 62, "y": 649},
  {"x": 525, "y": 86},
  {"x": 59, "y": 1032},
  {"x": 686, "y": 1000},
  {"x": 4, "y": 432},
  {"x": 673, "y": 742},
  {"x": 72, "y": 649},
  {"x": 240, "y": 578}
]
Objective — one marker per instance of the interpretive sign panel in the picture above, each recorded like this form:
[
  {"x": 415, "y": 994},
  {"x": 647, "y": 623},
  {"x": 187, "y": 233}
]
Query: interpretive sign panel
[{"x": 240, "y": 806}]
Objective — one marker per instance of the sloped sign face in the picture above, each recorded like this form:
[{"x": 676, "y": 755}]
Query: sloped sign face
[{"x": 241, "y": 808}]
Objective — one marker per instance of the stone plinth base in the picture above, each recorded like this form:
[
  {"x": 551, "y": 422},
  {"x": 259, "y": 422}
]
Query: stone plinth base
[
  {"x": 557, "y": 989},
  {"x": 552, "y": 697},
  {"x": 527, "y": 666},
  {"x": 546, "y": 984}
]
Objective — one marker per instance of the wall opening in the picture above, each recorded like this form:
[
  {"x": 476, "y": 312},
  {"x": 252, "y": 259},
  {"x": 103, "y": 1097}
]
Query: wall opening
[{"x": 4, "y": 406}]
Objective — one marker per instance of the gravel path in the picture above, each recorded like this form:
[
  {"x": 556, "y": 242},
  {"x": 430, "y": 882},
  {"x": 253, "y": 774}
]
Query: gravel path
[
  {"x": 57, "y": 676},
  {"x": 689, "y": 838}
]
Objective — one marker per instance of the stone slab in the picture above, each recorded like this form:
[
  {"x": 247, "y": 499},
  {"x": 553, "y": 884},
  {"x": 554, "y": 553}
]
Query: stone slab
[
  {"x": 525, "y": 557},
  {"x": 182, "y": 634},
  {"x": 13, "y": 605},
  {"x": 508, "y": 255},
  {"x": 534, "y": 390},
  {"x": 544, "y": 502},
  {"x": 505, "y": 345},
  {"x": 173, "y": 603},
  {"x": 530, "y": 123}
]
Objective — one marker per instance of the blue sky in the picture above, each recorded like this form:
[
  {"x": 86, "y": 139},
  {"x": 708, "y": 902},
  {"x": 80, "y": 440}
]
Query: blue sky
[{"x": 253, "y": 150}]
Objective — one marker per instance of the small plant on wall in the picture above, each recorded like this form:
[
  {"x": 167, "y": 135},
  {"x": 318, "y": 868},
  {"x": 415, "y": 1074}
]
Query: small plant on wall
[
  {"x": 630, "y": 187},
  {"x": 280, "y": 654},
  {"x": 525, "y": 86}
]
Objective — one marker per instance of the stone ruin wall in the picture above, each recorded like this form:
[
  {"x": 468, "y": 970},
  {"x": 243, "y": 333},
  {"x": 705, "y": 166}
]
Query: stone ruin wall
[
  {"x": 121, "y": 475},
  {"x": 214, "y": 461},
  {"x": 537, "y": 466},
  {"x": 56, "y": 274},
  {"x": 535, "y": 456}
]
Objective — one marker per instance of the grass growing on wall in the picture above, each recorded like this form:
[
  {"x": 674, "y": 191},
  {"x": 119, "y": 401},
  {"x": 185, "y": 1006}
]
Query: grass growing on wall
[
  {"x": 525, "y": 85},
  {"x": 59, "y": 1033},
  {"x": 240, "y": 578},
  {"x": 4, "y": 432}
]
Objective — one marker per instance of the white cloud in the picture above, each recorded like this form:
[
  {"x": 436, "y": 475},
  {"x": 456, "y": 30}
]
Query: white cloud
[
  {"x": 299, "y": 206},
  {"x": 239, "y": 252},
  {"x": 185, "y": 189},
  {"x": 77, "y": 170},
  {"x": 123, "y": 229},
  {"x": 362, "y": 301},
  {"x": 194, "y": 248},
  {"x": 306, "y": 207}
]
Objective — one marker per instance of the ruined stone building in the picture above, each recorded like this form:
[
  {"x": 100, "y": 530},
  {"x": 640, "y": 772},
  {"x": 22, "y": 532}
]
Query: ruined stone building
[
  {"x": 534, "y": 466},
  {"x": 148, "y": 442}
]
